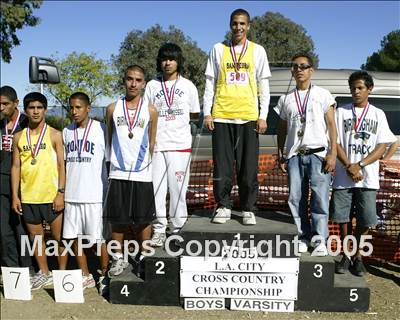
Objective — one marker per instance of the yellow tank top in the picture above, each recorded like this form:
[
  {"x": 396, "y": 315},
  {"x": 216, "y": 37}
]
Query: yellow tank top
[
  {"x": 236, "y": 98},
  {"x": 39, "y": 181}
]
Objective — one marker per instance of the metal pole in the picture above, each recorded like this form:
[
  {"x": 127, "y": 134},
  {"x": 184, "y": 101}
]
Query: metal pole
[{"x": 41, "y": 88}]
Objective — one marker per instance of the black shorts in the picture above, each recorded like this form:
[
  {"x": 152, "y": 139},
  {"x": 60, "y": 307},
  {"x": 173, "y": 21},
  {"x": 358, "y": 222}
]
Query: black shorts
[
  {"x": 130, "y": 202},
  {"x": 36, "y": 213}
]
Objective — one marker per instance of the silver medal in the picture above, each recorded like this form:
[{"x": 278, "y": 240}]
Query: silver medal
[{"x": 33, "y": 162}]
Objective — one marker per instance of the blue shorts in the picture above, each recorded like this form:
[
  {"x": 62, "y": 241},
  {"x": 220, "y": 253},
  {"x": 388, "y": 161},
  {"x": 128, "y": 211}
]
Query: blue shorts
[{"x": 361, "y": 199}]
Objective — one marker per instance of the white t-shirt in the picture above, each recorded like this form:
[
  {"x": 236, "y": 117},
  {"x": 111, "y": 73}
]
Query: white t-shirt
[
  {"x": 86, "y": 177},
  {"x": 173, "y": 129},
  {"x": 315, "y": 131},
  {"x": 130, "y": 157},
  {"x": 372, "y": 131},
  {"x": 262, "y": 74}
]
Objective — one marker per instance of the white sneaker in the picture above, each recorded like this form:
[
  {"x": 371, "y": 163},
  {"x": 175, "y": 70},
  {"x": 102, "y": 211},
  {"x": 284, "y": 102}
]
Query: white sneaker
[
  {"x": 117, "y": 267},
  {"x": 248, "y": 218},
  {"x": 40, "y": 280},
  {"x": 158, "y": 239},
  {"x": 222, "y": 215},
  {"x": 88, "y": 281},
  {"x": 303, "y": 246},
  {"x": 320, "y": 250}
]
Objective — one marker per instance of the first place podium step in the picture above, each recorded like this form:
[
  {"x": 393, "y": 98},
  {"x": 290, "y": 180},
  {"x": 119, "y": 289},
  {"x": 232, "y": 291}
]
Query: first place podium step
[{"x": 159, "y": 279}]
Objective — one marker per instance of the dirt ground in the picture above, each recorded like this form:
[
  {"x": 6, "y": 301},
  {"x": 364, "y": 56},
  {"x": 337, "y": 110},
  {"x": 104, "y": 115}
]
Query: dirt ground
[{"x": 384, "y": 282}]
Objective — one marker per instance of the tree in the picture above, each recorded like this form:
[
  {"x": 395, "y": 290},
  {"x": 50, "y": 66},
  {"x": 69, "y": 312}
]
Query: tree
[
  {"x": 281, "y": 38},
  {"x": 16, "y": 14},
  {"x": 388, "y": 57},
  {"x": 141, "y": 48},
  {"x": 82, "y": 72}
]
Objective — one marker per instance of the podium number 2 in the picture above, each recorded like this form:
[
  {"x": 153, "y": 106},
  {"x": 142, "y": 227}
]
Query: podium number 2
[{"x": 160, "y": 265}]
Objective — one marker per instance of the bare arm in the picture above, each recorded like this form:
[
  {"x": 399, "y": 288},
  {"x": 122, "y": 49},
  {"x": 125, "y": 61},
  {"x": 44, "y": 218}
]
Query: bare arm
[
  {"x": 330, "y": 159},
  {"x": 391, "y": 151},
  {"x": 16, "y": 176},
  {"x": 375, "y": 155},
  {"x": 281, "y": 136},
  {"x": 56, "y": 139},
  {"x": 109, "y": 123},
  {"x": 153, "y": 127}
]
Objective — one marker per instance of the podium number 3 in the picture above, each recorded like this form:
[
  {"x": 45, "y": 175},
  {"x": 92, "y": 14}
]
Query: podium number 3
[{"x": 318, "y": 270}]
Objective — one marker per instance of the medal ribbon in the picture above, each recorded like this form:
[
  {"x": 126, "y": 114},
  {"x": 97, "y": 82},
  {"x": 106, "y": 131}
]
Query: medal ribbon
[
  {"x": 14, "y": 125},
  {"x": 358, "y": 121},
  {"x": 242, "y": 53},
  {"x": 35, "y": 151},
  {"x": 79, "y": 148},
  {"x": 302, "y": 107},
  {"x": 131, "y": 122},
  {"x": 169, "y": 99}
]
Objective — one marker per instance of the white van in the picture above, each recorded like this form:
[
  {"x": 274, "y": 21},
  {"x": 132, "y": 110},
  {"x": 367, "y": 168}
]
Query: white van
[{"x": 385, "y": 95}]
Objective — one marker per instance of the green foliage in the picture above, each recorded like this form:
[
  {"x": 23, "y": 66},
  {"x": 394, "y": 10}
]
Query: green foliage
[
  {"x": 57, "y": 122},
  {"x": 388, "y": 57},
  {"x": 141, "y": 48},
  {"x": 82, "y": 72},
  {"x": 281, "y": 38},
  {"x": 15, "y": 14}
]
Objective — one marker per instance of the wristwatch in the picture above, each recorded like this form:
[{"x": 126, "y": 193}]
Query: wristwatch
[
  {"x": 61, "y": 190},
  {"x": 361, "y": 164}
]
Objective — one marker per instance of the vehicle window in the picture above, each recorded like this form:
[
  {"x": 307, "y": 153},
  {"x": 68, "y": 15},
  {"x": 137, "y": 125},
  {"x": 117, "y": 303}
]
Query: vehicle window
[{"x": 391, "y": 107}]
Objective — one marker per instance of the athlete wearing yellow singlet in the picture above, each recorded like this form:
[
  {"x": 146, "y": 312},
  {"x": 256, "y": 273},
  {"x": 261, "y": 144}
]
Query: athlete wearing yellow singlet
[
  {"x": 37, "y": 182},
  {"x": 235, "y": 106}
]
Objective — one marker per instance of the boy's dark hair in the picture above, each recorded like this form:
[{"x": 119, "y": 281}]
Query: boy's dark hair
[
  {"x": 239, "y": 12},
  {"x": 9, "y": 92},
  {"x": 133, "y": 67},
  {"x": 309, "y": 58},
  {"x": 170, "y": 51},
  {"x": 34, "y": 96},
  {"x": 362, "y": 75},
  {"x": 81, "y": 96}
]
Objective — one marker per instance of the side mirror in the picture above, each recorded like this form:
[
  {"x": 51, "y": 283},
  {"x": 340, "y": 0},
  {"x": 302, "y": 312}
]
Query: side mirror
[{"x": 43, "y": 70}]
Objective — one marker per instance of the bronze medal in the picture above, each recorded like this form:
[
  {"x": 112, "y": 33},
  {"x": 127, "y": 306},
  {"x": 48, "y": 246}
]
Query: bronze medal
[
  {"x": 33, "y": 162},
  {"x": 130, "y": 135}
]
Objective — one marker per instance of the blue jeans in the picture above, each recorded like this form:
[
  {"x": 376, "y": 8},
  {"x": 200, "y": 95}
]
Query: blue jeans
[{"x": 305, "y": 172}]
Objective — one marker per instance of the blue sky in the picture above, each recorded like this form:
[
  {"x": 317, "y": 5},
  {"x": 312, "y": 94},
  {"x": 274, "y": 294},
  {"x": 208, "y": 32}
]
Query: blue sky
[{"x": 344, "y": 32}]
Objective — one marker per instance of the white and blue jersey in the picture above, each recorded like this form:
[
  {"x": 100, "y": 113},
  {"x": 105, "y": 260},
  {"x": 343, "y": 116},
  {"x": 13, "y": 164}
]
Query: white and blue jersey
[
  {"x": 130, "y": 156},
  {"x": 87, "y": 167}
]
